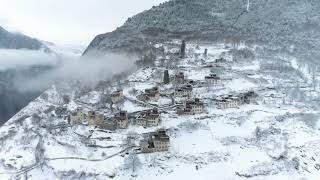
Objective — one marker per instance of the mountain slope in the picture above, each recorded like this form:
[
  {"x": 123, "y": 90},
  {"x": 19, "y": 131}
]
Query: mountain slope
[
  {"x": 277, "y": 137},
  {"x": 10, "y": 40},
  {"x": 276, "y": 22}
]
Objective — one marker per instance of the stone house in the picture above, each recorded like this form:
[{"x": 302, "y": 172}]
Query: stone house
[
  {"x": 228, "y": 102},
  {"x": 121, "y": 119},
  {"x": 77, "y": 117},
  {"x": 191, "y": 82},
  {"x": 157, "y": 141},
  {"x": 213, "y": 79},
  {"x": 117, "y": 96},
  {"x": 152, "y": 94},
  {"x": 143, "y": 97},
  {"x": 220, "y": 60},
  {"x": 184, "y": 110},
  {"x": 183, "y": 91},
  {"x": 195, "y": 82},
  {"x": 196, "y": 105},
  {"x": 148, "y": 118},
  {"x": 179, "y": 78},
  {"x": 191, "y": 107},
  {"x": 107, "y": 123},
  {"x": 248, "y": 97},
  {"x": 101, "y": 121},
  {"x": 95, "y": 118},
  {"x": 231, "y": 101}
]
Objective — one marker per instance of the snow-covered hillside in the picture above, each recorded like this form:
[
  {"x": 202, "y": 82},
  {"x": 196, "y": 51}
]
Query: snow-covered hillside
[
  {"x": 21, "y": 71},
  {"x": 278, "y": 137}
]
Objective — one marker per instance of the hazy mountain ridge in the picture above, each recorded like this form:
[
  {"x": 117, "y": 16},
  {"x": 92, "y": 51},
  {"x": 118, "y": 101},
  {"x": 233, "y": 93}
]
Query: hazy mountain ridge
[
  {"x": 10, "y": 40},
  {"x": 279, "y": 23}
]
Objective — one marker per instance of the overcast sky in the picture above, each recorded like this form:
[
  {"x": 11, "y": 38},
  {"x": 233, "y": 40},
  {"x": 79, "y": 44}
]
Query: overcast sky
[{"x": 73, "y": 22}]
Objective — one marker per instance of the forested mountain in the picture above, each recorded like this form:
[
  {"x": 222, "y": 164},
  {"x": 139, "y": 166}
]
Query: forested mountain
[{"x": 286, "y": 24}]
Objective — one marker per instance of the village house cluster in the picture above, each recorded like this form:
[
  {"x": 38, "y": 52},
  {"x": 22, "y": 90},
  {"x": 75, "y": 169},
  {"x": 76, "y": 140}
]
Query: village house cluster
[
  {"x": 120, "y": 119},
  {"x": 231, "y": 101},
  {"x": 93, "y": 118},
  {"x": 182, "y": 91}
]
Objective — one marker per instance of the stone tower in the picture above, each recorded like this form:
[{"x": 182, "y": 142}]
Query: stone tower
[
  {"x": 166, "y": 79},
  {"x": 183, "y": 49},
  {"x": 205, "y": 53}
]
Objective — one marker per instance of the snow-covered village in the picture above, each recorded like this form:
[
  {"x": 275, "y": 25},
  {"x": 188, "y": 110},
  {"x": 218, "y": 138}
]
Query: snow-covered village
[
  {"x": 160, "y": 90},
  {"x": 200, "y": 110}
]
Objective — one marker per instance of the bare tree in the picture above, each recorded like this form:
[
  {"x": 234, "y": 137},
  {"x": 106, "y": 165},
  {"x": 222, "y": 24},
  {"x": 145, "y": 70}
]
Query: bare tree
[
  {"x": 133, "y": 91},
  {"x": 132, "y": 163},
  {"x": 151, "y": 160},
  {"x": 66, "y": 99},
  {"x": 104, "y": 99},
  {"x": 248, "y": 5},
  {"x": 314, "y": 80},
  {"x": 129, "y": 141}
]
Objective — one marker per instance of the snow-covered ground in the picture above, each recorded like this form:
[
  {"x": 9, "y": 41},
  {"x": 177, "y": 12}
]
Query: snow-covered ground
[{"x": 276, "y": 138}]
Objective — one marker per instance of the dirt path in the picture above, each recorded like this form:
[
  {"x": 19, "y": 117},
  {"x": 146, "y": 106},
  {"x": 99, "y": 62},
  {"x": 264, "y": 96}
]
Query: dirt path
[{"x": 66, "y": 158}]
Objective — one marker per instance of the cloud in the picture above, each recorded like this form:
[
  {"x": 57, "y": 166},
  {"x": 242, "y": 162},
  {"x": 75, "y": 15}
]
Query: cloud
[
  {"x": 12, "y": 59},
  {"x": 86, "y": 70}
]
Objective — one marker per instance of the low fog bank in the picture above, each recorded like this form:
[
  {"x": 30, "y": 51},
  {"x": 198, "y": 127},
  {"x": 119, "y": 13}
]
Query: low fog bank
[
  {"x": 28, "y": 70},
  {"x": 13, "y": 59},
  {"x": 86, "y": 70}
]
